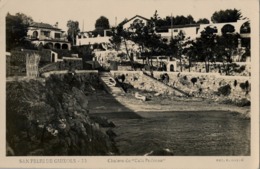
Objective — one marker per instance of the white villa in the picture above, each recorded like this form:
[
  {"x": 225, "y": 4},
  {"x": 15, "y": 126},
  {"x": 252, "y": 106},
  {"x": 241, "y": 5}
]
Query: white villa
[
  {"x": 43, "y": 34},
  {"x": 136, "y": 18},
  {"x": 191, "y": 30}
]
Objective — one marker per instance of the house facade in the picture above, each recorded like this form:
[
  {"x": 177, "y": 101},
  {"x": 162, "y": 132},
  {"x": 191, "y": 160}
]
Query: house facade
[
  {"x": 90, "y": 38},
  {"x": 136, "y": 18},
  {"x": 192, "y": 30},
  {"x": 48, "y": 36}
]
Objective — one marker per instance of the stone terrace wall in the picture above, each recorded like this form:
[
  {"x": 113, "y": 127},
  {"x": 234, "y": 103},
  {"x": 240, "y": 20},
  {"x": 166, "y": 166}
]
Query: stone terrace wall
[
  {"x": 142, "y": 82},
  {"x": 84, "y": 73},
  {"x": 208, "y": 84}
]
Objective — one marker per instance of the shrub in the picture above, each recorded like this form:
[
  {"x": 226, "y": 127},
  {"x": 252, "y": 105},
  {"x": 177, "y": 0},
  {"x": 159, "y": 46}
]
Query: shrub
[
  {"x": 227, "y": 101},
  {"x": 193, "y": 80},
  {"x": 247, "y": 85},
  {"x": 184, "y": 80},
  {"x": 243, "y": 102},
  {"x": 244, "y": 86},
  {"x": 235, "y": 83},
  {"x": 225, "y": 90}
]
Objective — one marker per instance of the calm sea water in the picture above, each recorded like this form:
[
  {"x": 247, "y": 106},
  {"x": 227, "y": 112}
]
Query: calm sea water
[{"x": 184, "y": 133}]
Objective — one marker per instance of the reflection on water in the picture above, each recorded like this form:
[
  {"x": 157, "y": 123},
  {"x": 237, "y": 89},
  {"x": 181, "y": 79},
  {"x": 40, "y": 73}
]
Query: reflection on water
[{"x": 185, "y": 133}]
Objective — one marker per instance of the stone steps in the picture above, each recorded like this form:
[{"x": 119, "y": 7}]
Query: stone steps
[{"x": 110, "y": 84}]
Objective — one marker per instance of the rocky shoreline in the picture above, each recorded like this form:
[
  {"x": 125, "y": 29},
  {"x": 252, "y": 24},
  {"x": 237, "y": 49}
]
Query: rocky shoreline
[
  {"x": 52, "y": 118},
  {"x": 177, "y": 104},
  {"x": 63, "y": 115}
]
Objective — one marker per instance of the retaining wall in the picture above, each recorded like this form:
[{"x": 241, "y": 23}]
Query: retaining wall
[
  {"x": 207, "y": 84},
  {"x": 142, "y": 82},
  {"x": 78, "y": 73}
]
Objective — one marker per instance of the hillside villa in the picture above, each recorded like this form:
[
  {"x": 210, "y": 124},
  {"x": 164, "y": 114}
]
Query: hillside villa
[{"x": 52, "y": 37}]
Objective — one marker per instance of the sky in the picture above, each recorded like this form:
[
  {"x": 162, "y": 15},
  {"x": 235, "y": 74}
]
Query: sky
[{"x": 88, "y": 11}]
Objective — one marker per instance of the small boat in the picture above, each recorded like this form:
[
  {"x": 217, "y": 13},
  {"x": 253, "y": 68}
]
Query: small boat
[
  {"x": 139, "y": 96},
  {"x": 111, "y": 82}
]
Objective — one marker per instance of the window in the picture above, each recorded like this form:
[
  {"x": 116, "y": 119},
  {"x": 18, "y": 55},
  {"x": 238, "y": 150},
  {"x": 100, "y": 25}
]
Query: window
[
  {"x": 45, "y": 33},
  {"x": 57, "y": 36},
  {"x": 175, "y": 30},
  {"x": 35, "y": 35}
]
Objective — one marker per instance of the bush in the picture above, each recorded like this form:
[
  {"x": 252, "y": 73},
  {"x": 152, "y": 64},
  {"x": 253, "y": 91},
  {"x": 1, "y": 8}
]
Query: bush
[
  {"x": 243, "y": 102},
  {"x": 242, "y": 86},
  {"x": 225, "y": 90},
  {"x": 193, "y": 80},
  {"x": 184, "y": 80},
  {"x": 235, "y": 83}
]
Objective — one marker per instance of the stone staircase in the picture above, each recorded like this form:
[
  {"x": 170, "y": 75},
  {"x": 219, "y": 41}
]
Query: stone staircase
[
  {"x": 49, "y": 67},
  {"x": 110, "y": 84}
]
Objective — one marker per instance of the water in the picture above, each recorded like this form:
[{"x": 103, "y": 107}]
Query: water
[{"x": 185, "y": 133}]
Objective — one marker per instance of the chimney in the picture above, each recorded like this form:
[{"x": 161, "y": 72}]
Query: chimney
[{"x": 56, "y": 24}]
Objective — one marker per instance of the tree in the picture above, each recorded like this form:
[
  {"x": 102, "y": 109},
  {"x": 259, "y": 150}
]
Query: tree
[
  {"x": 73, "y": 30},
  {"x": 150, "y": 43},
  {"x": 16, "y": 31},
  {"x": 206, "y": 46},
  {"x": 101, "y": 24},
  {"x": 229, "y": 15},
  {"x": 190, "y": 50},
  {"x": 226, "y": 47},
  {"x": 116, "y": 38},
  {"x": 119, "y": 35},
  {"x": 178, "y": 20},
  {"x": 177, "y": 45},
  {"x": 203, "y": 21},
  {"x": 26, "y": 20}
]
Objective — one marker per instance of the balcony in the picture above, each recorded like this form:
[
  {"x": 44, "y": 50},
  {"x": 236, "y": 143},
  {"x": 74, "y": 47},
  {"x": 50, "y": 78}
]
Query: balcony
[{"x": 42, "y": 37}]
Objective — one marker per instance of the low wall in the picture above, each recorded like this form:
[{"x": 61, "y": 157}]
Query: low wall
[
  {"x": 142, "y": 82},
  {"x": 63, "y": 72},
  {"x": 207, "y": 84}
]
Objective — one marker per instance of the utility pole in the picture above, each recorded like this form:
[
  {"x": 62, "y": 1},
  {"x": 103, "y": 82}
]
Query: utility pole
[
  {"x": 171, "y": 27},
  {"x": 83, "y": 26},
  {"x": 171, "y": 33}
]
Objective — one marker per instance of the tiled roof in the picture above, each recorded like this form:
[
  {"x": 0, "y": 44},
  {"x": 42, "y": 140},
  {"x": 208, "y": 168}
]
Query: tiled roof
[
  {"x": 137, "y": 16},
  {"x": 43, "y": 25},
  {"x": 179, "y": 26}
]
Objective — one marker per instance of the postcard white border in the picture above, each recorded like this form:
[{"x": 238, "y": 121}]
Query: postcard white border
[{"x": 175, "y": 162}]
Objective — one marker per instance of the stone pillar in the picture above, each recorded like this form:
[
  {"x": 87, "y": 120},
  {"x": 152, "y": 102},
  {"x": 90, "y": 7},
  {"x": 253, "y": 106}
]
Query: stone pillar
[{"x": 239, "y": 43}]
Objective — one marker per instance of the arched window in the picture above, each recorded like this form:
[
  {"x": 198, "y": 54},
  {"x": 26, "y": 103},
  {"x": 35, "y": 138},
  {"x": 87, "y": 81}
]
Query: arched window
[
  {"x": 57, "y": 46},
  {"x": 227, "y": 29},
  {"x": 245, "y": 28},
  {"x": 64, "y": 46},
  {"x": 171, "y": 68},
  {"x": 35, "y": 35},
  {"x": 48, "y": 46}
]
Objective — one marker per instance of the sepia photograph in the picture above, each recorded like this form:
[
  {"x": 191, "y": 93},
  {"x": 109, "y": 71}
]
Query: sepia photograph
[{"x": 130, "y": 80}]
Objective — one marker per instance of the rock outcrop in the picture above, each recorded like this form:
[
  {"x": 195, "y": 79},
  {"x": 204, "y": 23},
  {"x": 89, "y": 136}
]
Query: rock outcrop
[{"x": 52, "y": 118}]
